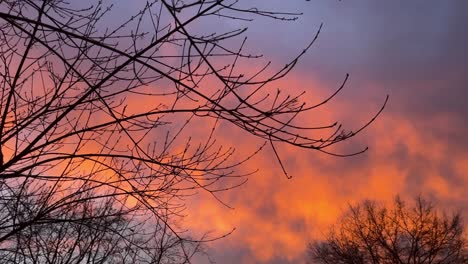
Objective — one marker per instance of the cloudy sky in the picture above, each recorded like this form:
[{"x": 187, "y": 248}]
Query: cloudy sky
[{"x": 414, "y": 51}]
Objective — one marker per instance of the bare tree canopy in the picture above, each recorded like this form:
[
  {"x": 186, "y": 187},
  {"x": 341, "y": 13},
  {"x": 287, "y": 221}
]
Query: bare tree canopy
[
  {"x": 373, "y": 233},
  {"x": 100, "y": 141}
]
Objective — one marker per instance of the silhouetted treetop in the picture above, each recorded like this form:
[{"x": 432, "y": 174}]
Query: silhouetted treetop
[{"x": 370, "y": 232}]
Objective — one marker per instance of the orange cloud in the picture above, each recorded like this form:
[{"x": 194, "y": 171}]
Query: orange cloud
[{"x": 275, "y": 218}]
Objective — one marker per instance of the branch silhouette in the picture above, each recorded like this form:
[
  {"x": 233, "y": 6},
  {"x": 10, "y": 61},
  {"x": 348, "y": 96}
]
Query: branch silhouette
[{"x": 100, "y": 125}]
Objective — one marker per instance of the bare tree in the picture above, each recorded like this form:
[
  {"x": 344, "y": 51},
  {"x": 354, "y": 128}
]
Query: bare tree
[
  {"x": 96, "y": 116},
  {"x": 89, "y": 232},
  {"x": 372, "y": 233}
]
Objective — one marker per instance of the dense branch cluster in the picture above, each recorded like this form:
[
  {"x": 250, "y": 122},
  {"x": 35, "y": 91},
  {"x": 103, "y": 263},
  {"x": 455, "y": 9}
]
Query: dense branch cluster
[
  {"x": 373, "y": 233},
  {"x": 96, "y": 112}
]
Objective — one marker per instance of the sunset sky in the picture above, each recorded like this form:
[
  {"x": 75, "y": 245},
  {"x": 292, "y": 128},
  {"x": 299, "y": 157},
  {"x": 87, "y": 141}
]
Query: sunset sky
[{"x": 415, "y": 51}]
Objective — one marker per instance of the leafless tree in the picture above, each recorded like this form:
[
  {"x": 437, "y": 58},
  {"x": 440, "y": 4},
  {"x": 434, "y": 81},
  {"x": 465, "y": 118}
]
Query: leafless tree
[
  {"x": 82, "y": 233},
  {"x": 96, "y": 114},
  {"x": 372, "y": 233}
]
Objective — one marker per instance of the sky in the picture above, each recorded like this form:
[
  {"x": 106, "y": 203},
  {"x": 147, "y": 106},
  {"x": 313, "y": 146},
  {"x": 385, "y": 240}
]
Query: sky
[{"x": 414, "y": 51}]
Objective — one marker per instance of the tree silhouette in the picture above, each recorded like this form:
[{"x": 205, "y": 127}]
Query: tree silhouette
[
  {"x": 86, "y": 233},
  {"x": 372, "y": 233},
  {"x": 97, "y": 112}
]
